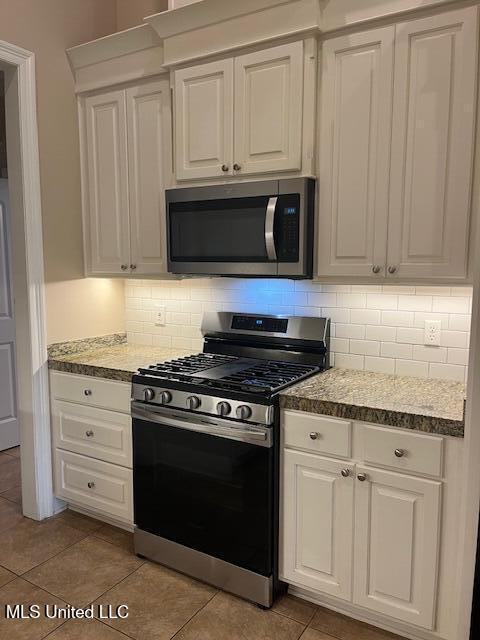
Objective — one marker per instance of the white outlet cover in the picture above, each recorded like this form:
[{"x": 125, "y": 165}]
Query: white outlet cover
[{"x": 433, "y": 333}]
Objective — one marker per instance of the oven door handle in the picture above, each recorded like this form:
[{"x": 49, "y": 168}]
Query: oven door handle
[
  {"x": 269, "y": 229},
  {"x": 253, "y": 435}
]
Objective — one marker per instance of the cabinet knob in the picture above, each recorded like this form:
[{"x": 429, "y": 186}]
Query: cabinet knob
[
  {"x": 314, "y": 435},
  {"x": 362, "y": 477},
  {"x": 400, "y": 453},
  {"x": 89, "y": 433},
  {"x": 87, "y": 392},
  {"x": 345, "y": 472},
  {"x": 124, "y": 267},
  {"x": 376, "y": 268},
  {"x": 237, "y": 167},
  {"x": 392, "y": 269},
  {"x": 133, "y": 267},
  {"x": 90, "y": 485},
  {"x": 225, "y": 168}
]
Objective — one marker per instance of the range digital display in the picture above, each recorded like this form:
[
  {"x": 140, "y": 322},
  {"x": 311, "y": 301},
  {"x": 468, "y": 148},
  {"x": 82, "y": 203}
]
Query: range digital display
[{"x": 260, "y": 323}]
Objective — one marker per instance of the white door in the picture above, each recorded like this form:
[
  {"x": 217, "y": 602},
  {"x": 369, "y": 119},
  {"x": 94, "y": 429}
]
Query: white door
[
  {"x": 9, "y": 432},
  {"x": 149, "y": 167},
  {"x": 432, "y": 145},
  {"x": 317, "y": 523},
  {"x": 354, "y": 152},
  {"x": 268, "y": 110},
  {"x": 397, "y": 526},
  {"x": 106, "y": 161},
  {"x": 204, "y": 120}
]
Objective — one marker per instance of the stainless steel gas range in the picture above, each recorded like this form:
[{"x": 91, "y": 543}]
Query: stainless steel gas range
[{"x": 206, "y": 449}]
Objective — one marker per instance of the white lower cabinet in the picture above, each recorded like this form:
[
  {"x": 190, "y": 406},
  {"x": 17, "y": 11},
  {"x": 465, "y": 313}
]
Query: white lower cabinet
[
  {"x": 347, "y": 524},
  {"x": 92, "y": 440},
  {"x": 318, "y": 523},
  {"x": 397, "y": 526}
]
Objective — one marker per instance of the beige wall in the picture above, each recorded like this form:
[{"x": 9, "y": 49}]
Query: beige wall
[
  {"x": 131, "y": 12},
  {"x": 76, "y": 307}
]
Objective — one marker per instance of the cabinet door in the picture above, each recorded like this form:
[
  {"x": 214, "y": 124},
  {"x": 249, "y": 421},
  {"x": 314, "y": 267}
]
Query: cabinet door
[
  {"x": 106, "y": 207},
  {"x": 432, "y": 145},
  {"x": 149, "y": 163},
  {"x": 354, "y": 153},
  {"x": 204, "y": 120},
  {"x": 317, "y": 523},
  {"x": 397, "y": 521},
  {"x": 268, "y": 110}
]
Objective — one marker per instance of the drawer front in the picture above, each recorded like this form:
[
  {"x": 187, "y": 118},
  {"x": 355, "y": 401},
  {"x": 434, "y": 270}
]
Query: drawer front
[
  {"x": 320, "y": 434},
  {"x": 94, "y": 484},
  {"x": 106, "y": 435},
  {"x": 92, "y": 392},
  {"x": 417, "y": 452}
]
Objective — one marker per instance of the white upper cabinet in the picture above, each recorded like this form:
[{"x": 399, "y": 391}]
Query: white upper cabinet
[
  {"x": 432, "y": 145},
  {"x": 107, "y": 228},
  {"x": 397, "y": 530},
  {"x": 355, "y": 149},
  {"x": 317, "y": 523},
  {"x": 240, "y": 116},
  {"x": 204, "y": 120},
  {"x": 126, "y": 151},
  {"x": 395, "y": 189},
  {"x": 268, "y": 109},
  {"x": 149, "y": 162}
]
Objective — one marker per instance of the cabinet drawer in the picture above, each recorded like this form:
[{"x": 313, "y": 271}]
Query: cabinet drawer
[
  {"x": 90, "y": 391},
  {"x": 417, "y": 452},
  {"x": 94, "y": 484},
  {"x": 321, "y": 434},
  {"x": 106, "y": 435}
]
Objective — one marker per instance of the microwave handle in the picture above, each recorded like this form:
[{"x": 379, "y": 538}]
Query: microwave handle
[{"x": 269, "y": 228}]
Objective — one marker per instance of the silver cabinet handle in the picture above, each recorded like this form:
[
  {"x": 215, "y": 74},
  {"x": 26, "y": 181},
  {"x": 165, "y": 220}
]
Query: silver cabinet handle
[
  {"x": 400, "y": 453},
  {"x": 87, "y": 392},
  {"x": 269, "y": 225},
  {"x": 91, "y": 485},
  {"x": 133, "y": 267},
  {"x": 362, "y": 477},
  {"x": 376, "y": 268},
  {"x": 124, "y": 267},
  {"x": 314, "y": 435},
  {"x": 89, "y": 433},
  {"x": 237, "y": 167},
  {"x": 392, "y": 269},
  {"x": 225, "y": 168},
  {"x": 345, "y": 472}
]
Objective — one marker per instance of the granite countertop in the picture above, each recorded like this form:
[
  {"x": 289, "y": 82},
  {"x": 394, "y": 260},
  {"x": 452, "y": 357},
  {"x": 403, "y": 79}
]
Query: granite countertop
[
  {"x": 108, "y": 357},
  {"x": 423, "y": 404}
]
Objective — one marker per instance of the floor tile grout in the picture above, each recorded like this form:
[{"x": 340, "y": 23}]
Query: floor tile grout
[{"x": 194, "y": 615}]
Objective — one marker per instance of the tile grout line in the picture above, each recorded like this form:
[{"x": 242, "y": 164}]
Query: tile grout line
[{"x": 196, "y": 613}]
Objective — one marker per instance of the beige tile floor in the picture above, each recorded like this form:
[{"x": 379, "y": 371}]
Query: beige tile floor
[{"x": 72, "y": 559}]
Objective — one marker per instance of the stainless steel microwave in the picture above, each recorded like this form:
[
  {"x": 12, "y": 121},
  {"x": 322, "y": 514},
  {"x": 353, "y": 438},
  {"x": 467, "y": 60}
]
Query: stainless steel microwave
[{"x": 262, "y": 229}]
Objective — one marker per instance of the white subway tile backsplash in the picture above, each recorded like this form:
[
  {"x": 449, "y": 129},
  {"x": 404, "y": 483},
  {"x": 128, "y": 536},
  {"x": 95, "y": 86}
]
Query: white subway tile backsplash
[
  {"x": 365, "y": 347},
  {"x": 411, "y": 368},
  {"x": 380, "y": 365},
  {"x": 396, "y": 350},
  {"x": 374, "y": 327},
  {"x": 451, "y": 304},
  {"x": 429, "y": 354}
]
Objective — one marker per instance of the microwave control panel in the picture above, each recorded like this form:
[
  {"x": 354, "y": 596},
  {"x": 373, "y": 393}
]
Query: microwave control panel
[{"x": 287, "y": 227}]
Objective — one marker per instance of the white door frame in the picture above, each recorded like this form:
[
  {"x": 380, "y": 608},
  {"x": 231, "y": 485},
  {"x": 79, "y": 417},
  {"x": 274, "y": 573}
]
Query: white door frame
[{"x": 28, "y": 281}]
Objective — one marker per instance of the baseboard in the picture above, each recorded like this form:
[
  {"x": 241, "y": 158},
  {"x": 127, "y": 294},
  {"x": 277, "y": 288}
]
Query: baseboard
[{"x": 102, "y": 517}]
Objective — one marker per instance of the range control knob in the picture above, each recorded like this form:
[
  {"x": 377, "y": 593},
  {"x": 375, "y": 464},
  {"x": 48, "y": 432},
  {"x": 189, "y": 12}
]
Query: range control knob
[
  {"x": 244, "y": 412},
  {"x": 165, "y": 397},
  {"x": 223, "y": 408},
  {"x": 148, "y": 394},
  {"x": 193, "y": 402}
]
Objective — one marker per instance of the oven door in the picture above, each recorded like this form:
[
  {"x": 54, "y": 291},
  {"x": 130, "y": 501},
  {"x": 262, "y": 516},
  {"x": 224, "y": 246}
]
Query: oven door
[{"x": 206, "y": 484}]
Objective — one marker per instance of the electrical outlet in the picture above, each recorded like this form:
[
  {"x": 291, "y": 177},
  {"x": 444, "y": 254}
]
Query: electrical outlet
[
  {"x": 433, "y": 333},
  {"x": 160, "y": 316}
]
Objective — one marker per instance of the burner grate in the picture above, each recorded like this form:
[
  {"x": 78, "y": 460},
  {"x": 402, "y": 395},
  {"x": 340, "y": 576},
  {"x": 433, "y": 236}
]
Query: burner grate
[
  {"x": 269, "y": 376},
  {"x": 188, "y": 364}
]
